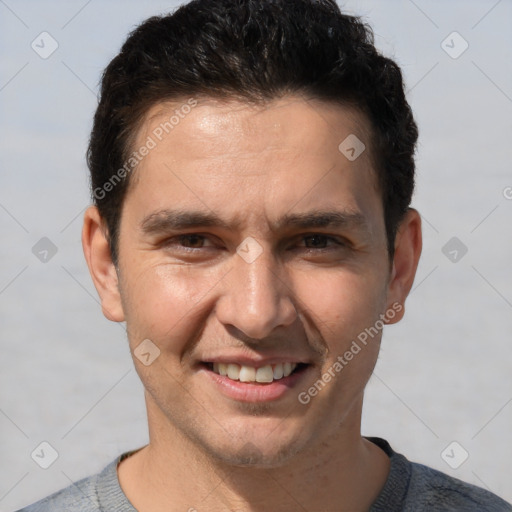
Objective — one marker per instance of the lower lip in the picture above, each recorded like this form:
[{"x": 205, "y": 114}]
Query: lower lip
[{"x": 254, "y": 392}]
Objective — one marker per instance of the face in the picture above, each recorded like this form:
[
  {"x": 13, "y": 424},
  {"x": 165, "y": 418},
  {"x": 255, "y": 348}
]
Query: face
[{"x": 251, "y": 247}]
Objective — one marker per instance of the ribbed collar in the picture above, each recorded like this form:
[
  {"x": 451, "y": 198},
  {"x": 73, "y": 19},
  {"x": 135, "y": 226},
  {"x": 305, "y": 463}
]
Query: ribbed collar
[
  {"x": 392, "y": 497},
  {"x": 394, "y": 492}
]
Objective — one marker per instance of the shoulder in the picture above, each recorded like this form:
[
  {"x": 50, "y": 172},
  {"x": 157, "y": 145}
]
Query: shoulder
[
  {"x": 96, "y": 493},
  {"x": 413, "y": 487},
  {"x": 80, "y": 496},
  {"x": 438, "y": 491}
]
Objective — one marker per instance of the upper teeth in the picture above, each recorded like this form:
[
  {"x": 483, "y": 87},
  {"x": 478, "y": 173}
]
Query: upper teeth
[{"x": 244, "y": 373}]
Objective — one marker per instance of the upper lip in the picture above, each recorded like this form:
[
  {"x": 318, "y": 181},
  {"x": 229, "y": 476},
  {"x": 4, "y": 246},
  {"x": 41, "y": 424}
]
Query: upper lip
[{"x": 244, "y": 360}]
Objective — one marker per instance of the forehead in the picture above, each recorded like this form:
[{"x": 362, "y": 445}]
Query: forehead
[
  {"x": 294, "y": 122},
  {"x": 274, "y": 155}
]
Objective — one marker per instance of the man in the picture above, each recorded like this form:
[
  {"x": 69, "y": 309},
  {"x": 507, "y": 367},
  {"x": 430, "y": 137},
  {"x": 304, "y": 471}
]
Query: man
[{"x": 252, "y": 170}]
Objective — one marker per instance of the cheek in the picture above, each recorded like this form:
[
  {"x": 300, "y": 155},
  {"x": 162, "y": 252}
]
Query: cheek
[
  {"x": 343, "y": 303},
  {"x": 343, "y": 308},
  {"x": 168, "y": 306},
  {"x": 164, "y": 304}
]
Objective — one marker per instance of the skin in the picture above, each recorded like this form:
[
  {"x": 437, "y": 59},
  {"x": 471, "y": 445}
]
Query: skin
[{"x": 308, "y": 295}]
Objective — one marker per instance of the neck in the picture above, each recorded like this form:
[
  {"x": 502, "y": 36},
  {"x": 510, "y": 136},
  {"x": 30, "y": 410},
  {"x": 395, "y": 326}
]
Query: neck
[{"x": 173, "y": 473}]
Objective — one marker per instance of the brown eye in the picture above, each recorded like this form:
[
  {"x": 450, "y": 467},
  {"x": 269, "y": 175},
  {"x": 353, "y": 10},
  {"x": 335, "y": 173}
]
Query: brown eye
[
  {"x": 317, "y": 241},
  {"x": 193, "y": 241}
]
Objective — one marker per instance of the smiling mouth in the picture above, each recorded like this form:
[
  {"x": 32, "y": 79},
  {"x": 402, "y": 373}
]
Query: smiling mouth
[{"x": 262, "y": 375}]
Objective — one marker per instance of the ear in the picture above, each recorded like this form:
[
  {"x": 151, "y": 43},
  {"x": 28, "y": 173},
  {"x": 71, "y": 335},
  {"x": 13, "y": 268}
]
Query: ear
[
  {"x": 408, "y": 245},
  {"x": 99, "y": 260}
]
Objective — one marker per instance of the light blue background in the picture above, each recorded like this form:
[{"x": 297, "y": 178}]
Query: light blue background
[{"x": 444, "y": 374}]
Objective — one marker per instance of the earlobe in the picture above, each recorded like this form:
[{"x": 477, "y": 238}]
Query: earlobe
[
  {"x": 99, "y": 260},
  {"x": 408, "y": 244}
]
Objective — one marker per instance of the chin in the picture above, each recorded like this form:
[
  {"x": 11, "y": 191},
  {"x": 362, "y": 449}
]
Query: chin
[
  {"x": 250, "y": 455},
  {"x": 253, "y": 447}
]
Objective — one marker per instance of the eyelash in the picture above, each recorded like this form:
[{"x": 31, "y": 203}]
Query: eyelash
[
  {"x": 335, "y": 241},
  {"x": 177, "y": 243},
  {"x": 338, "y": 243}
]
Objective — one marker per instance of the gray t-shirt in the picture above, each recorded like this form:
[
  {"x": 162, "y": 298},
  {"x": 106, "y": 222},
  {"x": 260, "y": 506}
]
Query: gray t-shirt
[{"x": 410, "y": 487}]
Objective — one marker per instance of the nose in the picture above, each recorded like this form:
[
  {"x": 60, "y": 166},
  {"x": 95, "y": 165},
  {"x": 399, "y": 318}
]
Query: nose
[{"x": 256, "y": 297}]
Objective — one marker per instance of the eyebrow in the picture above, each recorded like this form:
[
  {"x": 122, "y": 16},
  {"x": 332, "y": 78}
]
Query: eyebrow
[
  {"x": 325, "y": 219},
  {"x": 176, "y": 220},
  {"x": 163, "y": 221}
]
